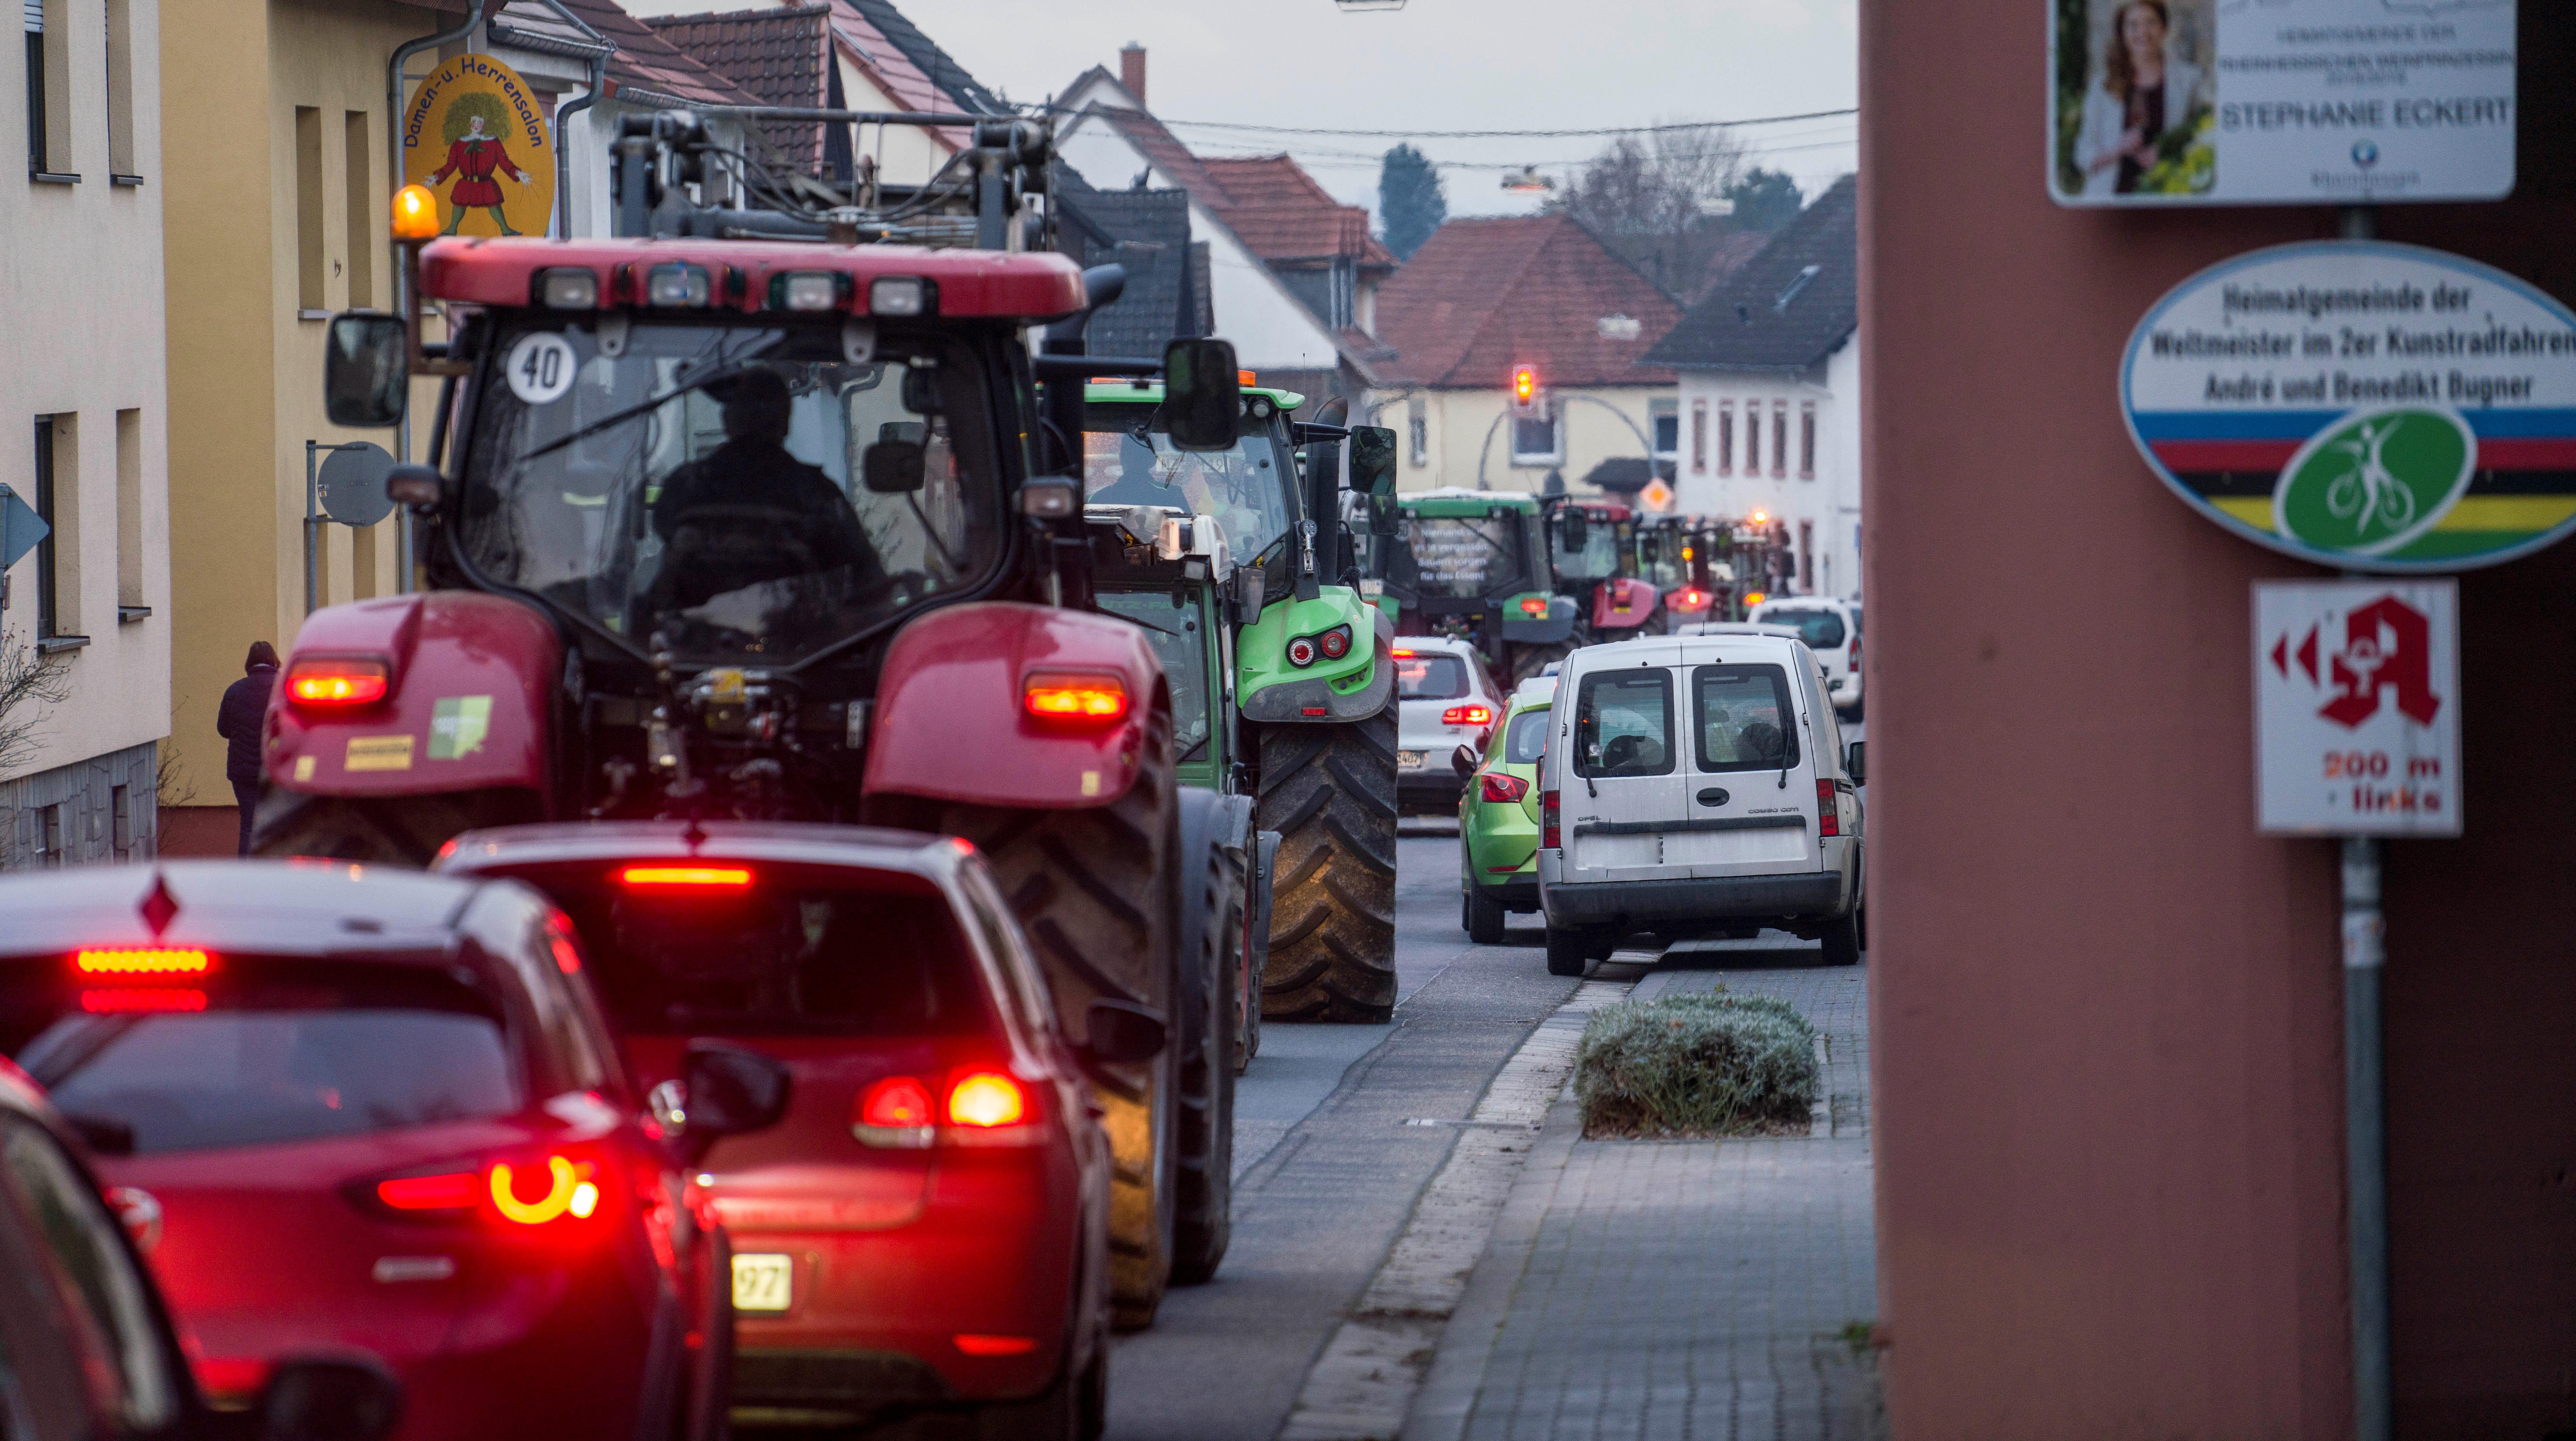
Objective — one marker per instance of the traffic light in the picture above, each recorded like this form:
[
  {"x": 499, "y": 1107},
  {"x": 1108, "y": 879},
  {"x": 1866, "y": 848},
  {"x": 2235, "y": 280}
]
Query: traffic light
[{"x": 1529, "y": 398}]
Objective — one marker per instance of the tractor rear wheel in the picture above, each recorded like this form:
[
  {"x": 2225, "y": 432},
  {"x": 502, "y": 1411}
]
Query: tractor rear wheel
[
  {"x": 1329, "y": 790},
  {"x": 1529, "y": 660},
  {"x": 1095, "y": 892},
  {"x": 380, "y": 830},
  {"x": 1204, "y": 1208}
]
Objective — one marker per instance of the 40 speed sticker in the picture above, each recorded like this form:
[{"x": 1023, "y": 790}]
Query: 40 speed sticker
[
  {"x": 540, "y": 367},
  {"x": 2374, "y": 406}
]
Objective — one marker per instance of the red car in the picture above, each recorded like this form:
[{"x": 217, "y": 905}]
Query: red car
[
  {"x": 927, "y": 1229},
  {"x": 345, "y": 1110}
]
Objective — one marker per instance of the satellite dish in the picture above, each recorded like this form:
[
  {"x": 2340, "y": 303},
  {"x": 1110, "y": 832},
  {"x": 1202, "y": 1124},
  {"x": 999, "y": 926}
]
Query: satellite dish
[{"x": 353, "y": 484}]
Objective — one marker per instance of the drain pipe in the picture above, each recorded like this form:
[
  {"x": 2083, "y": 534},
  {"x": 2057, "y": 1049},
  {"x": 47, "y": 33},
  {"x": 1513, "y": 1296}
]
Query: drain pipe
[
  {"x": 563, "y": 155},
  {"x": 407, "y": 566}
]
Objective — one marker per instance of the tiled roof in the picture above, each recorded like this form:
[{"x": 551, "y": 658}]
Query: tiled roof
[
  {"x": 779, "y": 55},
  {"x": 1283, "y": 214},
  {"x": 1147, "y": 231},
  {"x": 963, "y": 91},
  {"x": 644, "y": 60},
  {"x": 1788, "y": 307},
  {"x": 1161, "y": 147},
  {"x": 1733, "y": 249},
  {"x": 1482, "y": 296}
]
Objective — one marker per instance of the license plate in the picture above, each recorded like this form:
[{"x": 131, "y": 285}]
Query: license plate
[
  {"x": 762, "y": 1282},
  {"x": 1410, "y": 759}
]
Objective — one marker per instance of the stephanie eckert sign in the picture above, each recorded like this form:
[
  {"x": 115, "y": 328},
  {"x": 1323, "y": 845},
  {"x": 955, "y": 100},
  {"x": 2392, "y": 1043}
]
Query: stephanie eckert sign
[
  {"x": 2264, "y": 102},
  {"x": 2366, "y": 405},
  {"x": 2357, "y": 707}
]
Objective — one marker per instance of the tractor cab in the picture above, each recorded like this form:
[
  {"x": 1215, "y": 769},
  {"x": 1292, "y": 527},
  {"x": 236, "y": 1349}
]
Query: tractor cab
[
  {"x": 1593, "y": 547},
  {"x": 1474, "y": 564},
  {"x": 1684, "y": 558}
]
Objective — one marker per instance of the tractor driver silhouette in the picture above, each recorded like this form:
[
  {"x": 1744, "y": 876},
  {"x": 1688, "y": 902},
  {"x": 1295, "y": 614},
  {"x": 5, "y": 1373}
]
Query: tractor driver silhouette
[{"x": 748, "y": 512}]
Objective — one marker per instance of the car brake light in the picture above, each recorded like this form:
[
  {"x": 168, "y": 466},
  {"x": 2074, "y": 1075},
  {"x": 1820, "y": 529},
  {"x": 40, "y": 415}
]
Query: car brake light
[
  {"x": 569, "y": 1192},
  {"x": 450, "y": 1192},
  {"x": 894, "y": 1101},
  {"x": 1549, "y": 836},
  {"x": 1828, "y": 810},
  {"x": 1852, "y": 658},
  {"x": 974, "y": 1345},
  {"x": 338, "y": 680},
  {"x": 142, "y": 1000},
  {"x": 151, "y": 962},
  {"x": 685, "y": 876},
  {"x": 1499, "y": 787},
  {"x": 986, "y": 1099},
  {"x": 1402, "y": 654},
  {"x": 1083, "y": 698},
  {"x": 1467, "y": 715}
]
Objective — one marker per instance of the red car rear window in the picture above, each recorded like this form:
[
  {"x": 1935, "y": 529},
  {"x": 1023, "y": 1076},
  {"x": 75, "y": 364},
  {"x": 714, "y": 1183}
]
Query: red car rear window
[
  {"x": 790, "y": 954},
  {"x": 256, "y": 1051}
]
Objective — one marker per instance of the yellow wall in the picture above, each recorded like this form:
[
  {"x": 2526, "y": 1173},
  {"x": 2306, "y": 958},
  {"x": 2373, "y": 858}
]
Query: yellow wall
[
  {"x": 1461, "y": 420},
  {"x": 245, "y": 370}
]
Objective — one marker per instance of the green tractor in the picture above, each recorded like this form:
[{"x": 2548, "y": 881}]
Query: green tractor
[
  {"x": 1475, "y": 564},
  {"x": 1309, "y": 674}
]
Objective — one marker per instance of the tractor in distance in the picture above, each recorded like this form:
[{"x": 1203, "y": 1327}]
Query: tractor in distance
[
  {"x": 1592, "y": 546},
  {"x": 1474, "y": 564}
]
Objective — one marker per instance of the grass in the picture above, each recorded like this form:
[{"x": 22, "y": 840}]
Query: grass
[{"x": 1704, "y": 1064}]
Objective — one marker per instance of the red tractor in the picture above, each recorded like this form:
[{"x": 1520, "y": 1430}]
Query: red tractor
[
  {"x": 720, "y": 528},
  {"x": 1594, "y": 548}
]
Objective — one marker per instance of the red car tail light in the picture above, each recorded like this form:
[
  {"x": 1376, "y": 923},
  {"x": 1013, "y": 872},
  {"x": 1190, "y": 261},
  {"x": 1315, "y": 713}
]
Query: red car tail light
[
  {"x": 535, "y": 1191},
  {"x": 453, "y": 1191},
  {"x": 141, "y": 1000},
  {"x": 338, "y": 680},
  {"x": 1495, "y": 786},
  {"x": 987, "y": 1099},
  {"x": 1549, "y": 837},
  {"x": 569, "y": 1191},
  {"x": 974, "y": 1345},
  {"x": 685, "y": 876},
  {"x": 1403, "y": 654},
  {"x": 1079, "y": 697},
  {"x": 1467, "y": 715},
  {"x": 1828, "y": 811},
  {"x": 894, "y": 1111},
  {"x": 153, "y": 962}
]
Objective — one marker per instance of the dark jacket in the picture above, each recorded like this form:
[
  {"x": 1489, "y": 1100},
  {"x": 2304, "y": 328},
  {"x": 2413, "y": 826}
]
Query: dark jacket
[{"x": 238, "y": 720}]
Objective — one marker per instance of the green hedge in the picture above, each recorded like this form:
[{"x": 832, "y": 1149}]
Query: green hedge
[{"x": 1707, "y": 1063}]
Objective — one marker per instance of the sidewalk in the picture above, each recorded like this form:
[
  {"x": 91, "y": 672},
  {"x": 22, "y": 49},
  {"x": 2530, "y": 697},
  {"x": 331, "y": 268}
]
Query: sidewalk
[{"x": 1682, "y": 1288}]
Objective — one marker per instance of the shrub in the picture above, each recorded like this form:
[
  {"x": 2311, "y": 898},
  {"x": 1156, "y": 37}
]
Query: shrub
[{"x": 1695, "y": 1065}]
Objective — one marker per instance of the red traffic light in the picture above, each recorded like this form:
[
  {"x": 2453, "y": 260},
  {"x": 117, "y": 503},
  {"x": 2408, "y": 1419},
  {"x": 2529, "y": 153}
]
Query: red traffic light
[{"x": 1527, "y": 397}]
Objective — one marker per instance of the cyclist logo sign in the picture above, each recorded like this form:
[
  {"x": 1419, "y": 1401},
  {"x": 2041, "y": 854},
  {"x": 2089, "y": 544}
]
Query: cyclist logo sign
[
  {"x": 2371, "y": 406},
  {"x": 2376, "y": 480}
]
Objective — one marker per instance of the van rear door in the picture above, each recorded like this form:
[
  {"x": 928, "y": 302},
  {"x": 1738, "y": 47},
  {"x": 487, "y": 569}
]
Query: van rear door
[
  {"x": 1750, "y": 799},
  {"x": 1622, "y": 780}
]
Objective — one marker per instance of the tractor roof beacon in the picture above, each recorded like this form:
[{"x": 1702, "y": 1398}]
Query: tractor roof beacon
[
  {"x": 1312, "y": 679},
  {"x": 772, "y": 529}
]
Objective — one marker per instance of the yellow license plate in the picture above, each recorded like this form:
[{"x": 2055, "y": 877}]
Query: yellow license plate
[{"x": 763, "y": 1282}]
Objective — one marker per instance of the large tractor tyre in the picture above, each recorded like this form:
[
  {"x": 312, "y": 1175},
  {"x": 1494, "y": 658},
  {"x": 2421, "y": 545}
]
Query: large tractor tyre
[
  {"x": 1256, "y": 950},
  {"x": 1095, "y": 892},
  {"x": 1529, "y": 660},
  {"x": 1329, "y": 790},
  {"x": 379, "y": 830},
  {"x": 1211, "y": 940}
]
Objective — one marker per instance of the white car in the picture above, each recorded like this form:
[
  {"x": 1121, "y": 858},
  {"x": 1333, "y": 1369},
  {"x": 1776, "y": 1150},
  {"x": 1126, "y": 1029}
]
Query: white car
[
  {"x": 1695, "y": 786},
  {"x": 1831, "y": 628},
  {"x": 1445, "y": 699}
]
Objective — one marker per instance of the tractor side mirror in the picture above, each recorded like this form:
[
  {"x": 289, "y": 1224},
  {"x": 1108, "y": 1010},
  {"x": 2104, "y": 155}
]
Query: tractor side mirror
[
  {"x": 1202, "y": 397},
  {"x": 1856, "y": 762},
  {"x": 1576, "y": 529},
  {"x": 892, "y": 466},
  {"x": 1373, "y": 459},
  {"x": 365, "y": 371}
]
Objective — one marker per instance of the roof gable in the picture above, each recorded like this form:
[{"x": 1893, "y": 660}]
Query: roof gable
[
  {"x": 646, "y": 62},
  {"x": 779, "y": 55},
  {"x": 941, "y": 70},
  {"x": 1794, "y": 303},
  {"x": 1484, "y": 295}
]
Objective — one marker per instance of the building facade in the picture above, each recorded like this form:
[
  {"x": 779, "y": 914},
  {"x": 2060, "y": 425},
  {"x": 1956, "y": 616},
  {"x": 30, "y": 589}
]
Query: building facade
[
  {"x": 86, "y": 407},
  {"x": 1767, "y": 412}
]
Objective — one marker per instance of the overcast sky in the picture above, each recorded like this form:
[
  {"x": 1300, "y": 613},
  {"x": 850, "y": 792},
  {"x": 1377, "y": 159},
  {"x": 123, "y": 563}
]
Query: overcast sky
[{"x": 1438, "y": 65}]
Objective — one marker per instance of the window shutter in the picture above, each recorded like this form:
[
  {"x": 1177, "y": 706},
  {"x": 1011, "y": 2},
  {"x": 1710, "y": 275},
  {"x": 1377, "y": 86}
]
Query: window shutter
[{"x": 35, "y": 16}]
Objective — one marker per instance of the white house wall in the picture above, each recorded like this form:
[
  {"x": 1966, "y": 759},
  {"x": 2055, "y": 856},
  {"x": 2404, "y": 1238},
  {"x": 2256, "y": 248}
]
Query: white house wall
[{"x": 1830, "y": 501}]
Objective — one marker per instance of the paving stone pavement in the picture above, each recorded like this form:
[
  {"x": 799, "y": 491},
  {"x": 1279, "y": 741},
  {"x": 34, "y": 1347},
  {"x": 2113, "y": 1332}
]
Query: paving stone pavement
[{"x": 1692, "y": 1289}]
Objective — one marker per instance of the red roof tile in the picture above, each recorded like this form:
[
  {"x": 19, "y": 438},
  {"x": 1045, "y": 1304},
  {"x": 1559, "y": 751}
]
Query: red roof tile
[
  {"x": 777, "y": 55},
  {"x": 644, "y": 60},
  {"x": 1482, "y": 296},
  {"x": 893, "y": 71},
  {"x": 1279, "y": 210}
]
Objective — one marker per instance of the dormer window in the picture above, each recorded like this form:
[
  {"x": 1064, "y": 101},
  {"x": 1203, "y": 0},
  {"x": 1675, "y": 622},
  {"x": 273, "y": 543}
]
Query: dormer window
[{"x": 1790, "y": 292}]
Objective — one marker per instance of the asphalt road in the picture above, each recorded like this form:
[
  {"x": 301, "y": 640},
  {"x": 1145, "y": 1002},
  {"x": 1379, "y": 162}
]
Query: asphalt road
[{"x": 1326, "y": 1171}]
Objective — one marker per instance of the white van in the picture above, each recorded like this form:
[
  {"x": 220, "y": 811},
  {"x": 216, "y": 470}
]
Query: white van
[
  {"x": 1831, "y": 628},
  {"x": 1697, "y": 786}
]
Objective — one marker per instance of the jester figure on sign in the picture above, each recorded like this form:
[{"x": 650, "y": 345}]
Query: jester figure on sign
[{"x": 475, "y": 157}]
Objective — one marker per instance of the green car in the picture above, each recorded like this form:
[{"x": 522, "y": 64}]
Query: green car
[{"x": 1498, "y": 817}]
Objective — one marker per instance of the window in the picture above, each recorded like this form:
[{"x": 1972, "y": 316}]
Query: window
[
  {"x": 309, "y": 259},
  {"x": 1172, "y": 628},
  {"x": 129, "y": 508},
  {"x": 1745, "y": 718},
  {"x": 49, "y": 616},
  {"x": 1752, "y": 437},
  {"x": 1779, "y": 438},
  {"x": 1807, "y": 552},
  {"x": 1417, "y": 430},
  {"x": 358, "y": 199},
  {"x": 34, "y": 10},
  {"x": 1538, "y": 440},
  {"x": 1820, "y": 629},
  {"x": 1806, "y": 440},
  {"x": 1430, "y": 676},
  {"x": 1623, "y": 724},
  {"x": 120, "y": 834},
  {"x": 49, "y": 837},
  {"x": 1664, "y": 423},
  {"x": 1699, "y": 437},
  {"x": 120, "y": 92},
  {"x": 1525, "y": 737},
  {"x": 1726, "y": 437},
  {"x": 107, "y": 1298}
]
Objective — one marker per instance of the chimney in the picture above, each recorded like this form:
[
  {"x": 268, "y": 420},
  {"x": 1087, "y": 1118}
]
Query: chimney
[{"x": 1131, "y": 71}]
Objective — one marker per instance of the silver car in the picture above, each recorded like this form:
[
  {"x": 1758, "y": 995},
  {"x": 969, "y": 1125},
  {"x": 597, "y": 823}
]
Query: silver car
[{"x": 1446, "y": 698}]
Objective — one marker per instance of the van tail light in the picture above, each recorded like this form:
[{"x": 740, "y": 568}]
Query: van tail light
[
  {"x": 1550, "y": 838},
  {"x": 1495, "y": 786},
  {"x": 894, "y": 1113},
  {"x": 1075, "y": 697},
  {"x": 1854, "y": 653},
  {"x": 329, "y": 680},
  {"x": 528, "y": 1190},
  {"x": 1467, "y": 715},
  {"x": 1828, "y": 809}
]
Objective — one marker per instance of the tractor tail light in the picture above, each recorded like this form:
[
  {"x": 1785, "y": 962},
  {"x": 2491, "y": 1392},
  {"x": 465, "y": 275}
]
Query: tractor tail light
[
  {"x": 1301, "y": 651},
  {"x": 1534, "y": 605},
  {"x": 1499, "y": 787},
  {"x": 1467, "y": 715},
  {"x": 1828, "y": 811},
  {"x": 338, "y": 680},
  {"x": 1078, "y": 697},
  {"x": 1336, "y": 642},
  {"x": 1550, "y": 837}
]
